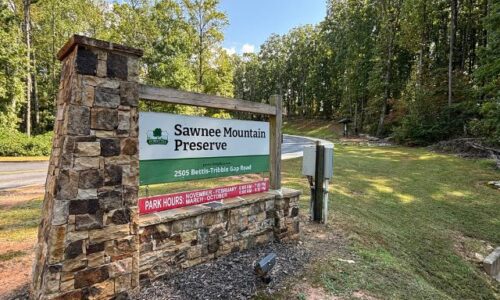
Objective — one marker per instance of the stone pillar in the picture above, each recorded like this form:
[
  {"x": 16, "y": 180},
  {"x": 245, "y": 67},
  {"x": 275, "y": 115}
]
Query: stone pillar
[{"x": 87, "y": 240}]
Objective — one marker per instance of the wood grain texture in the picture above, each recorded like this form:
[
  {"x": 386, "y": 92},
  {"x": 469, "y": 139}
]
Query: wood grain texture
[
  {"x": 202, "y": 100},
  {"x": 275, "y": 124}
]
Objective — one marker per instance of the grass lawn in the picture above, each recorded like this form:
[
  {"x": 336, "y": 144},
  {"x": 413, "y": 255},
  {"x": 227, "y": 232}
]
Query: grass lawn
[
  {"x": 23, "y": 158},
  {"x": 20, "y": 222},
  {"x": 314, "y": 128},
  {"x": 405, "y": 210}
]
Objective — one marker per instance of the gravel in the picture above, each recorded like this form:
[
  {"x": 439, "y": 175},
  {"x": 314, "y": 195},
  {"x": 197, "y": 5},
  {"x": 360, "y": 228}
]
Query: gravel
[{"x": 232, "y": 276}]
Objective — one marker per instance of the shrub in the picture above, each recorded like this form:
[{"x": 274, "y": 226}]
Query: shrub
[
  {"x": 14, "y": 143},
  {"x": 489, "y": 124},
  {"x": 425, "y": 129}
]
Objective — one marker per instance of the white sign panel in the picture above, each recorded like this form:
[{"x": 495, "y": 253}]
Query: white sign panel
[{"x": 178, "y": 147}]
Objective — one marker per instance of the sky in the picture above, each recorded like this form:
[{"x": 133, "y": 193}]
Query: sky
[{"x": 251, "y": 22}]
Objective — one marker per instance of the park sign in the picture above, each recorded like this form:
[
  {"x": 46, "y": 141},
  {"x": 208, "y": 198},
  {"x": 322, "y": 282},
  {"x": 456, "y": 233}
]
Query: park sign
[
  {"x": 159, "y": 203},
  {"x": 179, "y": 147}
]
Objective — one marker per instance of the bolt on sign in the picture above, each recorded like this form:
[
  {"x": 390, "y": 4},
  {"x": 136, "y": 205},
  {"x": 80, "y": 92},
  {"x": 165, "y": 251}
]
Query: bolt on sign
[{"x": 180, "y": 148}]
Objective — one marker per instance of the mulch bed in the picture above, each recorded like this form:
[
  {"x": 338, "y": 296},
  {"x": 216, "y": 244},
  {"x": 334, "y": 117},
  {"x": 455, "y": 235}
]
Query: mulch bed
[{"x": 232, "y": 276}]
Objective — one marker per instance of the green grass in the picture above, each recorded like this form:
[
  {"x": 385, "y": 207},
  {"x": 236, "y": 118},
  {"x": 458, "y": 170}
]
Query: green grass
[
  {"x": 19, "y": 223},
  {"x": 23, "y": 158},
  {"x": 314, "y": 128},
  {"x": 403, "y": 209},
  {"x": 11, "y": 255}
]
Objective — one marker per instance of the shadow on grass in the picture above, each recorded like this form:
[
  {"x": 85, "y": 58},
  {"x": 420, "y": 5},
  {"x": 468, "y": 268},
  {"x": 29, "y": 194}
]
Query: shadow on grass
[
  {"x": 20, "y": 222},
  {"x": 404, "y": 208}
]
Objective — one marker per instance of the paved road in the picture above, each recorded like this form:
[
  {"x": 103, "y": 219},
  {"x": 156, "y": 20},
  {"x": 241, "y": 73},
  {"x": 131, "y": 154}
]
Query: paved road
[
  {"x": 292, "y": 146},
  {"x": 19, "y": 174}
]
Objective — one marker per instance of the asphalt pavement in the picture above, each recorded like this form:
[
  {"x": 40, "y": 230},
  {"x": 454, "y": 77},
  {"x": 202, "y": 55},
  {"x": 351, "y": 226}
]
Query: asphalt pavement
[{"x": 20, "y": 174}]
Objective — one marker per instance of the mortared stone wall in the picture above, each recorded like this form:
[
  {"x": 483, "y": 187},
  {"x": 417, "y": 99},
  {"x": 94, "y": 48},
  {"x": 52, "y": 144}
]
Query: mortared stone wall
[{"x": 87, "y": 240}]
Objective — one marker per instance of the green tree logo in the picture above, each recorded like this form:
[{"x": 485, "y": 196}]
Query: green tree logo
[
  {"x": 157, "y": 137},
  {"x": 157, "y": 133}
]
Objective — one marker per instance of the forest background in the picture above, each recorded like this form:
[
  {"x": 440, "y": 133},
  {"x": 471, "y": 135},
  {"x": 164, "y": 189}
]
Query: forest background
[{"x": 417, "y": 71}]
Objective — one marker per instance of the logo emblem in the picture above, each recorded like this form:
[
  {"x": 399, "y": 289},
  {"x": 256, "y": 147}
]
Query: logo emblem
[{"x": 157, "y": 137}]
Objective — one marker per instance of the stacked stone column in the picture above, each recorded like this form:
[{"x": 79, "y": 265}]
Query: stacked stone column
[{"x": 87, "y": 242}]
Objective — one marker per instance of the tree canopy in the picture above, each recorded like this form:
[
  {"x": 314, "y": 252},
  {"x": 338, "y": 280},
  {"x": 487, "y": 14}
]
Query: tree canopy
[{"x": 420, "y": 71}]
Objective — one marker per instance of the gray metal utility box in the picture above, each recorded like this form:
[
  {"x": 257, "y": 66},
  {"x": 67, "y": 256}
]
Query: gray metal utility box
[{"x": 309, "y": 160}]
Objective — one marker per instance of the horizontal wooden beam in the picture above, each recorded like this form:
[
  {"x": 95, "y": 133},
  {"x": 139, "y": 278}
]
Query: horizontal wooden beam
[{"x": 147, "y": 92}]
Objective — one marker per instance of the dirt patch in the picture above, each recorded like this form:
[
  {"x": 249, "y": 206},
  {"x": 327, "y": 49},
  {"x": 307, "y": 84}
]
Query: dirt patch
[
  {"x": 470, "y": 249},
  {"x": 366, "y": 140},
  {"x": 306, "y": 291},
  {"x": 363, "y": 295},
  {"x": 15, "y": 270},
  {"x": 15, "y": 275},
  {"x": 465, "y": 147},
  {"x": 19, "y": 196}
]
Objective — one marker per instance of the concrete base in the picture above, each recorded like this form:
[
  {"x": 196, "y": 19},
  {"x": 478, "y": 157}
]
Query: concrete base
[{"x": 491, "y": 264}]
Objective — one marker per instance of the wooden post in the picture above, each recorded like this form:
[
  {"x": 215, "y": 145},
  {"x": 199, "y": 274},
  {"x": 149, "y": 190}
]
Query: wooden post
[
  {"x": 275, "y": 123},
  {"x": 319, "y": 179}
]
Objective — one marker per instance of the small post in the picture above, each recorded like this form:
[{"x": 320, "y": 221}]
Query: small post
[
  {"x": 319, "y": 180},
  {"x": 275, "y": 123}
]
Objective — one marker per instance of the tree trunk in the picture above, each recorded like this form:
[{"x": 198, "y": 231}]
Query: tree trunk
[
  {"x": 423, "y": 43},
  {"x": 392, "y": 28},
  {"x": 453, "y": 4},
  {"x": 53, "y": 93},
  {"x": 27, "y": 39},
  {"x": 387, "y": 81},
  {"x": 356, "y": 118},
  {"x": 200, "y": 49},
  {"x": 34, "y": 95}
]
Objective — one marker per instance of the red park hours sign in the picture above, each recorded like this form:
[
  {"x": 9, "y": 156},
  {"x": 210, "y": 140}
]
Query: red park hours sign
[{"x": 164, "y": 202}]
